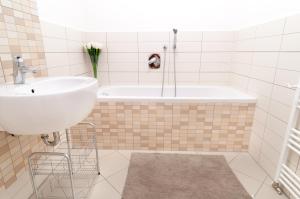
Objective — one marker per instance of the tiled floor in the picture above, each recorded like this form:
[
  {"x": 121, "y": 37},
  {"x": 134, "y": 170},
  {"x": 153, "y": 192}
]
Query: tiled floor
[{"x": 114, "y": 165}]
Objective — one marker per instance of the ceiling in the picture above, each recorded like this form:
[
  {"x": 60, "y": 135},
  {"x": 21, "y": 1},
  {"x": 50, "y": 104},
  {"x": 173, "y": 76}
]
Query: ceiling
[{"x": 160, "y": 15}]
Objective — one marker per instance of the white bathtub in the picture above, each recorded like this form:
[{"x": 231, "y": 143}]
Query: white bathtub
[{"x": 184, "y": 94}]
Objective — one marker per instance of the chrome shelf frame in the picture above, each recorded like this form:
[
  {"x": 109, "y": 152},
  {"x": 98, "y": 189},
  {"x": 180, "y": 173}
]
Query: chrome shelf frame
[{"x": 70, "y": 170}]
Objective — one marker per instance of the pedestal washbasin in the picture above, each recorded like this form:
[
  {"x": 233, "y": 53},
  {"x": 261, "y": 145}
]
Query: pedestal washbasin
[{"x": 46, "y": 105}]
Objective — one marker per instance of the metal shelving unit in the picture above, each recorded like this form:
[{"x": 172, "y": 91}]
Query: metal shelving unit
[{"x": 69, "y": 171}]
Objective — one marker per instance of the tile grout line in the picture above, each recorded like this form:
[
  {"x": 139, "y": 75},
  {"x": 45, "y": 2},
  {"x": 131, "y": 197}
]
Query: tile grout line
[{"x": 260, "y": 187}]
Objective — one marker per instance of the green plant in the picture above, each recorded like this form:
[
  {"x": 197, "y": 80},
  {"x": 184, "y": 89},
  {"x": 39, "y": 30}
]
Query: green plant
[{"x": 94, "y": 50}]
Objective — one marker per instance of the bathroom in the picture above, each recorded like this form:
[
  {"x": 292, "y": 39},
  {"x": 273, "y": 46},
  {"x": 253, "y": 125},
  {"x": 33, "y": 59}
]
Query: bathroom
[{"x": 149, "y": 99}]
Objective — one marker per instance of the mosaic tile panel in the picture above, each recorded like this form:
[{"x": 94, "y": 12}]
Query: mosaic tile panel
[
  {"x": 173, "y": 126},
  {"x": 14, "y": 151},
  {"x": 20, "y": 34}
]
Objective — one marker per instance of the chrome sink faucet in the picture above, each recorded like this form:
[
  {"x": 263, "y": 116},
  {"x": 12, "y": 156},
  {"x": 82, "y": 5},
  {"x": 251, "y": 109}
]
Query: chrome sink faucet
[{"x": 20, "y": 70}]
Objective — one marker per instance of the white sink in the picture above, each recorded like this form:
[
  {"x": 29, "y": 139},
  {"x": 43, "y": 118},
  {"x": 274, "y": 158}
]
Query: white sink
[{"x": 46, "y": 105}]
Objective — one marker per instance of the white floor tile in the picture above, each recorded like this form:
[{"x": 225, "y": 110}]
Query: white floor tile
[
  {"x": 267, "y": 192},
  {"x": 112, "y": 163},
  {"x": 251, "y": 185},
  {"x": 118, "y": 180},
  {"x": 99, "y": 178},
  {"x": 103, "y": 153},
  {"x": 104, "y": 190},
  {"x": 246, "y": 165},
  {"x": 126, "y": 153}
]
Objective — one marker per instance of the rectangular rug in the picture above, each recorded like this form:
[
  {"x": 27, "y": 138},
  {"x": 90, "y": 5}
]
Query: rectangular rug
[{"x": 181, "y": 176}]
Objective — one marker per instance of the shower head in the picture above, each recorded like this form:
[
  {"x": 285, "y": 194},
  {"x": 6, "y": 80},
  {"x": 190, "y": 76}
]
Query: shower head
[{"x": 175, "y": 38}]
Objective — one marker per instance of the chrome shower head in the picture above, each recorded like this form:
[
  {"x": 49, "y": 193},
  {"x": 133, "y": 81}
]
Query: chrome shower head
[{"x": 175, "y": 38}]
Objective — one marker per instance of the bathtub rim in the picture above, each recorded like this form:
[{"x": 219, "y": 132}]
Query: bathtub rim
[{"x": 246, "y": 98}]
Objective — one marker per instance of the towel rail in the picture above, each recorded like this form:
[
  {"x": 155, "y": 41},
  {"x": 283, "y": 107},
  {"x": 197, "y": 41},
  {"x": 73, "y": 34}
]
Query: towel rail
[{"x": 286, "y": 177}]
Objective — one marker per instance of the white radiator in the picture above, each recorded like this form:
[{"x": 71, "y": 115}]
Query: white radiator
[{"x": 285, "y": 176}]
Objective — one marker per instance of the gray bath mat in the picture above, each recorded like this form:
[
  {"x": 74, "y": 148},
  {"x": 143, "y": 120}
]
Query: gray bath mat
[{"x": 176, "y": 176}]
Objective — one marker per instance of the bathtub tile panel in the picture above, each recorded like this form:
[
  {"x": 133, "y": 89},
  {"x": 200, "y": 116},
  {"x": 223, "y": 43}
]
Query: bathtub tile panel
[{"x": 173, "y": 126}]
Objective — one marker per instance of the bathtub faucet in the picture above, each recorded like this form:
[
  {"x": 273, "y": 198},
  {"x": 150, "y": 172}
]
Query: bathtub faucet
[{"x": 154, "y": 60}]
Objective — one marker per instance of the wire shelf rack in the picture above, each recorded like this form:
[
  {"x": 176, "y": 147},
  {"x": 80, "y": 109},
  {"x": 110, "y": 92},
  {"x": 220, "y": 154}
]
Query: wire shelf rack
[{"x": 70, "y": 170}]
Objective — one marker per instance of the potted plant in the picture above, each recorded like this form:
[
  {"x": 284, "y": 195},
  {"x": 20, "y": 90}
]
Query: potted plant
[{"x": 94, "y": 50}]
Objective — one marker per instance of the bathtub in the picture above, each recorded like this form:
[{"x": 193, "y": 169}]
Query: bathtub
[
  {"x": 184, "y": 94},
  {"x": 200, "y": 118}
]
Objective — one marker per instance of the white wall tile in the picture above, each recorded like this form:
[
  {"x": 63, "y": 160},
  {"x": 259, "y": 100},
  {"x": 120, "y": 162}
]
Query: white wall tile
[
  {"x": 262, "y": 101},
  {"x": 187, "y": 78},
  {"x": 57, "y": 59},
  {"x": 273, "y": 139},
  {"x": 271, "y": 70},
  {"x": 152, "y": 47},
  {"x": 75, "y": 46},
  {"x": 246, "y": 33},
  {"x": 122, "y": 37},
  {"x": 215, "y": 67},
  {"x": 75, "y": 35},
  {"x": 96, "y": 37},
  {"x": 292, "y": 24},
  {"x": 279, "y": 110},
  {"x": 103, "y": 78},
  {"x": 188, "y": 67},
  {"x": 291, "y": 42},
  {"x": 103, "y": 59},
  {"x": 276, "y": 125},
  {"x": 270, "y": 28},
  {"x": 289, "y": 61},
  {"x": 269, "y": 166},
  {"x": 263, "y": 73},
  {"x": 258, "y": 128},
  {"x": 243, "y": 57},
  {"x": 122, "y": 47},
  {"x": 188, "y": 47},
  {"x": 218, "y": 36},
  {"x": 260, "y": 87},
  {"x": 128, "y": 67},
  {"x": 267, "y": 59},
  {"x": 55, "y": 45},
  {"x": 242, "y": 69},
  {"x": 53, "y": 30},
  {"x": 123, "y": 78},
  {"x": 59, "y": 71},
  {"x": 102, "y": 67},
  {"x": 255, "y": 146},
  {"x": 123, "y": 58},
  {"x": 187, "y": 36},
  {"x": 214, "y": 78},
  {"x": 268, "y": 43},
  {"x": 239, "y": 82},
  {"x": 285, "y": 77},
  {"x": 78, "y": 69},
  {"x": 270, "y": 153},
  {"x": 215, "y": 57},
  {"x": 217, "y": 46},
  {"x": 260, "y": 115},
  {"x": 151, "y": 77},
  {"x": 245, "y": 45},
  {"x": 283, "y": 95},
  {"x": 76, "y": 58},
  {"x": 154, "y": 37}
]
